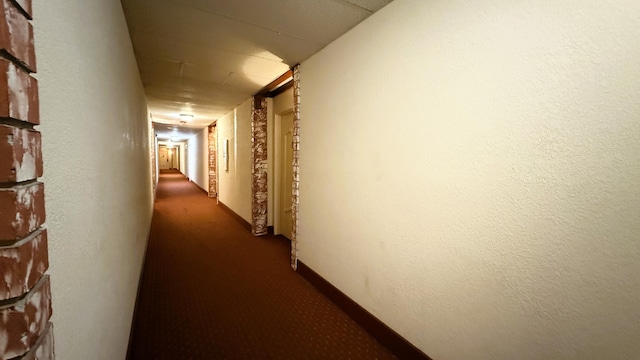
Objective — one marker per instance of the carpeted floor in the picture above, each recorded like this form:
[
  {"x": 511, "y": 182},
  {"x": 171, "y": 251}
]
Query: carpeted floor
[{"x": 211, "y": 290}]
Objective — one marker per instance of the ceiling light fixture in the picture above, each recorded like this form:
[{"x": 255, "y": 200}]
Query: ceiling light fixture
[{"x": 185, "y": 117}]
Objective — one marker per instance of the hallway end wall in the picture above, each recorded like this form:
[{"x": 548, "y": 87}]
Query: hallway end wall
[
  {"x": 98, "y": 173},
  {"x": 469, "y": 175}
]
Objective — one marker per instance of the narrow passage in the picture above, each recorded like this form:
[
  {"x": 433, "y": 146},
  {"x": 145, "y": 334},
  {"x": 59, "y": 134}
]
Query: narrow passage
[{"x": 211, "y": 290}]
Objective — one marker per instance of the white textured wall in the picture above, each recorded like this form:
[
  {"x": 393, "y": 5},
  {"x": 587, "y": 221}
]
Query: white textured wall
[
  {"x": 235, "y": 184},
  {"x": 470, "y": 174},
  {"x": 183, "y": 157},
  {"x": 97, "y": 173},
  {"x": 198, "y": 159}
]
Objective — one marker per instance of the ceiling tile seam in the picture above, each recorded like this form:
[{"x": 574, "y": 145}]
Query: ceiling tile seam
[
  {"x": 189, "y": 93},
  {"x": 213, "y": 110},
  {"x": 349, "y": 3},
  {"x": 181, "y": 100},
  {"x": 250, "y": 23},
  {"x": 150, "y": 34},
  {"x": 234, "y": 90},
  {"x": 171, "y": 77}
]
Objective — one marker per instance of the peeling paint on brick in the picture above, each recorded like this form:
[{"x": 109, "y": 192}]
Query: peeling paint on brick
[
  {"x": 23, "y": 264},
  {"x": 25, "y": 331},
  {"x": 22, "y": 154},
  {"x": 16, "y": 35},
  {"x": 259, "y": 166},
  {"x": 43, "y": 348},
  {"x": 153, "y": 148},
  {"x": 296, "y": 169},
  {"x": 22, "y": 323},
  {"x": 213, "y": 160},
  {"x": 21, "y": 210},
  {"x": 25, "y": 6},
  {"x": 18, "y": 93}
]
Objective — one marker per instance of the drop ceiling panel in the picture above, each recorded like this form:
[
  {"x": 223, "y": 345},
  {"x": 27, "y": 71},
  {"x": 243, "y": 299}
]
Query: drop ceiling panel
[
  {"x": 177, "y": 105},
  {"x": 171, "y": 111},
  {"x": 192, "y": 25},
  {"x": 202, "y": 63},
  {"x": 252, "y": 84},
  {"x": 186, "y": 52},
  {"x": 191, "y": 99},
  {"x": 371, "y": 5},
  {"x": 190, "y": 85},
  {"x": 318, "y": 21},
  {"x": 206, "y": 57},
  {"x": 167, "y": 132},
  {"x": 260, "y": 67}
]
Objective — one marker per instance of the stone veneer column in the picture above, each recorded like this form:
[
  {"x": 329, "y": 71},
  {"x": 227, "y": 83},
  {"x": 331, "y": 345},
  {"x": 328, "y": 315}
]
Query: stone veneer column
[
  {"x": 259, "y": 166},
  {"x": 25, "y": 291},
  {"x": 213, "y": 160},
  {"x": 152, "y": 146},
  {"x": 296, "y": 168}
]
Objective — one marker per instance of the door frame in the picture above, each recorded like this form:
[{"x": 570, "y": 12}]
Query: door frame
[{"x": 277, "y": 168}]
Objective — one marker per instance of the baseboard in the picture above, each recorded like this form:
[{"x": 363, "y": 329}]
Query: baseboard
[
  {"x": 135, "y": 304},
  {"x": 402, "y": 348},
  {"x": 198, "y": 186},
  {"x": 233, "y": 214}
]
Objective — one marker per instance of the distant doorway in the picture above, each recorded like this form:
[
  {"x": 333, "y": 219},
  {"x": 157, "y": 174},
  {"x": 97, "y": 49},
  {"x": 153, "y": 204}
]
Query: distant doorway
[
  {"x": 286, "y": 174},
  {"x": 164, "y": 158},
  {"x": 168, "y": 157},
  {"x": 175, "y": 157}
]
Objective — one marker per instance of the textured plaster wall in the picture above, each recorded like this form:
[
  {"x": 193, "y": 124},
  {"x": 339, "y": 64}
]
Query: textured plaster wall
[
  {"x": 198, "y": 159},
  {"x": 183, "y": 158},
  {"x": 235, "y": 184},
  {"x": 470, "y": 175},
  {"x": 97, "y": 173}
]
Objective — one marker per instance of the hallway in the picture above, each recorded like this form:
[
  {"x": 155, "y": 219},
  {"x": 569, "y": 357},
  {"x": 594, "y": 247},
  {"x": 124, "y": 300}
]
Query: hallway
[{"x": 210, "y": 290}]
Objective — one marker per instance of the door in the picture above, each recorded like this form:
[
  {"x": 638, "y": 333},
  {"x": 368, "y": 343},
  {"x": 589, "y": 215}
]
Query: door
[
  {"x": 176, "y": 158},
  {"x": 286, "y": 141},
  {"x": 164, "y": 160},
  {"x": 171, "y": 152}
]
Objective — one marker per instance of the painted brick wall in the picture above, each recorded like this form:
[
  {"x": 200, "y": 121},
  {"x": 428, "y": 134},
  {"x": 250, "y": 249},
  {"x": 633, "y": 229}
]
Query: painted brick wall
[
  {"x": 213, "y": 160},
  {"x": 25, "y": 290},
  {"x": 259, "y": 165}
]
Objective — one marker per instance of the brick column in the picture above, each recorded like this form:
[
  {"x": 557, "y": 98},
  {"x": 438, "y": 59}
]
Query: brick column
[
  {"x": 213, "y": 161},
  {"x": 296, "y": 169},
  {"x": 25, "y": 290},
  {"x": 154, "y": 162},
  {"x": 259, "y": 166}
]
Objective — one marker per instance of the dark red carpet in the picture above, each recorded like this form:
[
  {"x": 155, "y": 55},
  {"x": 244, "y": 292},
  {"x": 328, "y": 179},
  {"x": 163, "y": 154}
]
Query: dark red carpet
[{"x": 211, "y": 290}]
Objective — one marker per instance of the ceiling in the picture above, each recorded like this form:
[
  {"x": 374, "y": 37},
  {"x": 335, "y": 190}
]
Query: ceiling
[
  {"x": 175, "y": 133},
  {"x": 205, "y": 57}
]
